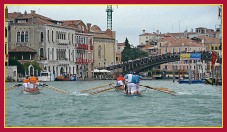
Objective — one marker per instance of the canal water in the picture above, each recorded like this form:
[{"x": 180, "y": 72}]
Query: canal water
[{"x": 195, "y": 105}]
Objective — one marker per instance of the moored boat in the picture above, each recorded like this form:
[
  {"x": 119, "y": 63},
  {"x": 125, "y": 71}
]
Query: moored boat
[
  {"x": 45, "y": 76},
  {"x": 192, "y": 81},
  {"x": 65, "y": 78}
]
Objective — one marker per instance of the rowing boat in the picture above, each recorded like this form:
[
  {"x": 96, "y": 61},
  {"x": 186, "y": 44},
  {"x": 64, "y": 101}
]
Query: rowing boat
[
  {"x": 31, "y": 91},
  {"x": 128, "y": 95}
]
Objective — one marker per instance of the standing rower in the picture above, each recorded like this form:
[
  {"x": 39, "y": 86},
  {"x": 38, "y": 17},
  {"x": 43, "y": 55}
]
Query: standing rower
[{"x": 120, "y": 82}]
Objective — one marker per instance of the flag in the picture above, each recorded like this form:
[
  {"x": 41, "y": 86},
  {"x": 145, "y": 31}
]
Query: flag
[{"x": 213, "y": 59}]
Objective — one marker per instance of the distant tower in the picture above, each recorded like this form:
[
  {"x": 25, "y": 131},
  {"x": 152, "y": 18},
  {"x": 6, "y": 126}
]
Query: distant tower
[{"x": 109, "y": 11}]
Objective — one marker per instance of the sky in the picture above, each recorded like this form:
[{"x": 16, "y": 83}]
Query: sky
[{"x": 130, "y": 20}]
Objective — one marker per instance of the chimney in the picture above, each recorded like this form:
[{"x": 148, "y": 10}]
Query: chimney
[
  {"x": 157, "y": 31},
  {"x": 32, "y": 11},
  {"x": 143, "y": 31},
  {"x": 6, "y": 12},
  {"x": 88, "y": 27}
]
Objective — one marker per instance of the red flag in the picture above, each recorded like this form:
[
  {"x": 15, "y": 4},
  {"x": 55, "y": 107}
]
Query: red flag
[{"x": 213, "y": 59}]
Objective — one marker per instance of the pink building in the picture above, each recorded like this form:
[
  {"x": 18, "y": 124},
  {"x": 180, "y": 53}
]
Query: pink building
[{"x": 169, "y": 44}]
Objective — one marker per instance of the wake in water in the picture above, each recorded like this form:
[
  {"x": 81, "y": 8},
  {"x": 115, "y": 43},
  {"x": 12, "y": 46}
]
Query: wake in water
[{"x": 77, "y": 93}]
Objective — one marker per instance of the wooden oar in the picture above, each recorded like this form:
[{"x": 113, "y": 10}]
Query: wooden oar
[
  {"x": 101, "y": 91},
  {"x": 86, "y": 90},
  {"x": 13, "y": 87},
  {"x": 164, "y": 90},
  {"x": 56, "y": 89}
]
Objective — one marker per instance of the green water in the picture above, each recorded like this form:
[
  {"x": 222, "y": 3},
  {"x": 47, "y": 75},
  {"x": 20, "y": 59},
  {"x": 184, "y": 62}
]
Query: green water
[{"x": 196, "y": 105}]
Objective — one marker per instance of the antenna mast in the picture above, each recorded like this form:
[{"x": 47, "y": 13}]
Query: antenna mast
[{"x": 109, "y": 11}]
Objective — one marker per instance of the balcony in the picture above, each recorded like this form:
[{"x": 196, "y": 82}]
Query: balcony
[
  {"x": 92, "y": 47},
  {"x": 62, "y": 42},
  {"x": 82, "y": 46},
  {"x": 81, "y": 61}
]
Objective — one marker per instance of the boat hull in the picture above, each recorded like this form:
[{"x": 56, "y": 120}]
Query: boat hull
[
  {"x": 62, "y": 78},
  {"x": 192, "y": 81},
  {"x": 27, "y": 92}
]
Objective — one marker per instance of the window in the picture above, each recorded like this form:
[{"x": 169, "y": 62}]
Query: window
[
  {"x": 166, "y": 67},
  {"x": 18, "y": 36},
  {"x": 52, "y": 36},
  {"x": 48, "y": 35},
  {"x": 56, "y": 34},
  {"x": 48, "y": 54},
  {"x": 69, "y": 54},
  {"x": 99, "y": 51},
  {"x": 72, "y": 38},
  {"x": 212, "y": 48},
  {"x": 216, "y": 48},
  {"x": 52, "y": 53},
  {"x": 41, "y": 52},
  {"x": 26, "y": 36},
  {"x": 41, "y": 37},
  {"x": 21, "y": 21},
  {"x": 22, "y": 36},
  {"x": 76, "y": 39}
]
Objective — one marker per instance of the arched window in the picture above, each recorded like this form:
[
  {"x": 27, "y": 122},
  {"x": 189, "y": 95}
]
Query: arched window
[
  {"x": 18, "y": 36},
  {"x": 56, "y": 34},
  {"x": 26, "y": 36},
  {"x": 52, "y": 53},
  {"x": 52, "y": 36},
  {"x": 22, "y": 36},
  {"x": 99, "y": 51},
  {"x": 69, "y": 54},
  {"x": 48, "y": 35},
  {"x": 48, "y": 54}
]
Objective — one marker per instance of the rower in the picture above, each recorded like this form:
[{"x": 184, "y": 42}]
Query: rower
[
  {"x": 33, "y": 83},
  {"x": 129, "y": 82},
  {"x": 137, "y": 81},
  {"x": 26, "y": 82},
  {"x": 120, "y": 82}
]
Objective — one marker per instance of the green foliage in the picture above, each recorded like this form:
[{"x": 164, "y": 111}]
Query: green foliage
[
  {"x": 15, "y": 62},
  {"x": 132, "y": 53},
  {"x": 34, "y": 64},
  {"x": 127, "y": 45}
]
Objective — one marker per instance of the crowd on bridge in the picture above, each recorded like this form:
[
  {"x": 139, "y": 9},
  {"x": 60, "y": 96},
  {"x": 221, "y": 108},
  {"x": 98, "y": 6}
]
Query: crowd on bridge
[{"x": 205, "y": 55}]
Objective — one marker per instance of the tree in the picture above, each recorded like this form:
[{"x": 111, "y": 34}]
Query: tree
[
  {"x": 127, "y": 45},
  {"x": 131, "y": 53},
  {"x": 15, "y": 62},
  {"x": 34, "y": 64}
]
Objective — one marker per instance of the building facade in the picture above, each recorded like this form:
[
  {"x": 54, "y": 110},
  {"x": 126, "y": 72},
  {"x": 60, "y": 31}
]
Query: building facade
[
  {"x": 56, "y": 46},
  {"x": 104, "y": 47}
]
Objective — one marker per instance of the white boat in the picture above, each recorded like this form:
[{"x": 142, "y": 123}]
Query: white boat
[{"x": 45, "y": 76}]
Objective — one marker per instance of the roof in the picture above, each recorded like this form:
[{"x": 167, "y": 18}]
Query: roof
[
  {"x": 96, "y": 28},
  {"x": 71, "y": 23},
  {"x": 102, "y": 35},
  {"x": 120, "y": 44},
  {"x": 209, "y": 40},
  {"x": 31, "y": 18},
  {"x": 23, "y": 49},
  {"x": 172, "y": 42}
]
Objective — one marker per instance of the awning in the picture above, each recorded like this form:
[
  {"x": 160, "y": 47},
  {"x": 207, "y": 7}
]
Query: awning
[{"x": 100, "y": 71}]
